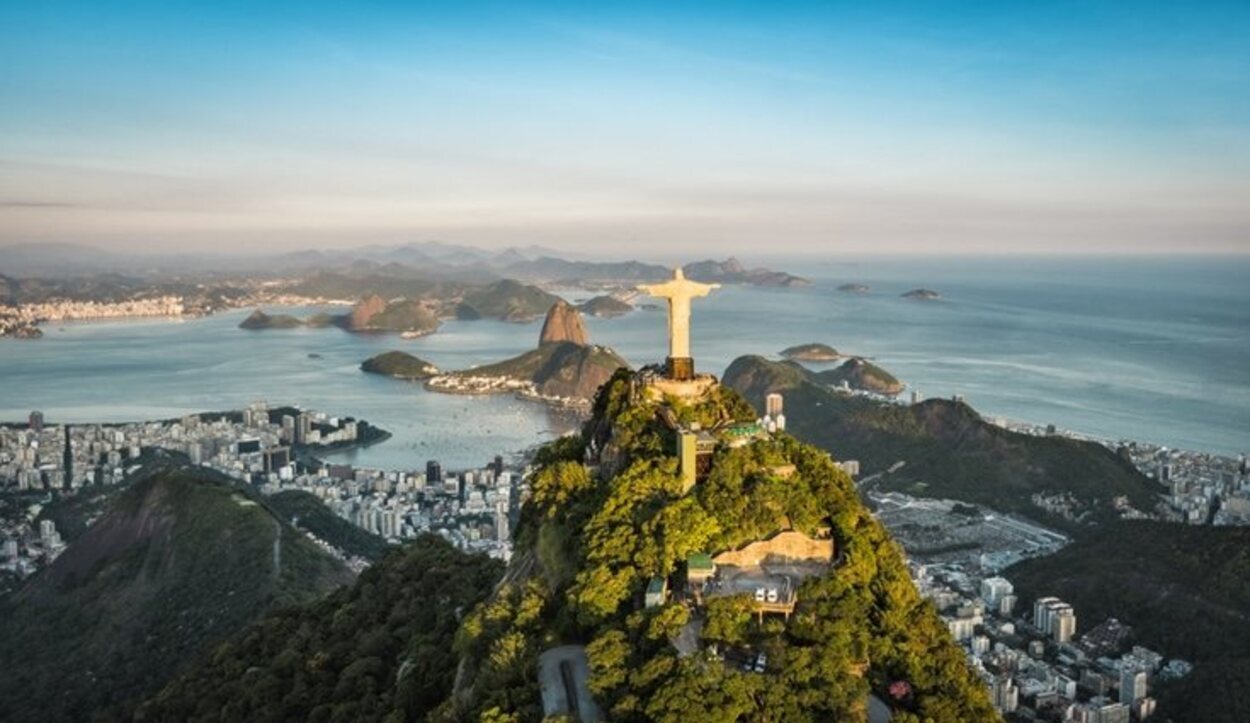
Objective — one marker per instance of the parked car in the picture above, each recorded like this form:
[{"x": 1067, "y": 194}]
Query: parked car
[
  {"x": 761, "y": 662},
  {"x": 772, "y": 595},
  {"x": 759, "y": 594}
]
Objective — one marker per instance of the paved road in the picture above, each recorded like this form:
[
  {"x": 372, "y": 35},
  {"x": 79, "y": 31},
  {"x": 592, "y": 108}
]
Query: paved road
[
  {"x": 878, "y": 711},
  {"x": 559, "y": 690}
]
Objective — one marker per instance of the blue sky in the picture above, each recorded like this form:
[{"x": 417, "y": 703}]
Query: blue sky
[{"x": 833, "y": 127}]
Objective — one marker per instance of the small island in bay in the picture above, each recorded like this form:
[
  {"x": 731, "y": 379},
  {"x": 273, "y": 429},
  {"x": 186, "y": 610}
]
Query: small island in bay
[
  {"x": 862, "y": 375},
  {"x": 374, "y": 313},
  {"x": 605, "y": 307},
  {"x": 922, "y": 294},
  {"x": 258, "y": 320},
  {"x": 854, "y": 288},
  {"x": 811, "y": 352},
  {"x": 400, "y": 365},
  {"x": 411, "y": 317}
]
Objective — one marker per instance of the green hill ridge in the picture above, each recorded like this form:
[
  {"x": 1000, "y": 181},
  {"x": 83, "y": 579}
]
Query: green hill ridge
[
  {"x": 508, "y": 300},
  {"x": 178, "y": 561},
  {"x": 863, "y": 375},
  {"x": 608, "y": 513},
  {"x": 378, "y": 650},
  {"x": 948, "y": 449}
]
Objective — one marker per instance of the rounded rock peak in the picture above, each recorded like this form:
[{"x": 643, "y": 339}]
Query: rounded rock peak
[
  {"x": 563, "y": 324},
  {"x": 364, "y": 311}
]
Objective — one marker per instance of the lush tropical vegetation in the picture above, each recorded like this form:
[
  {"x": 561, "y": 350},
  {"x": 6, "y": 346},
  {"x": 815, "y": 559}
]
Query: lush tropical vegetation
[
  {"x": 378, "y": 650},
  {"x": 399, "y": 364},
  {"x": 947, "y": 449},
  {"x": 177, "y": 562},
  {"x": 607, "y": 513}
]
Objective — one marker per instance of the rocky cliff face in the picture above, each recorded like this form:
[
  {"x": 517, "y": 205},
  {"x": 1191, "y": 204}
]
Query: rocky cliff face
[
  {"x": 563, "y": 324},
  {"x": 577, "y": 371},
  {"x": 364, "y": 311}
]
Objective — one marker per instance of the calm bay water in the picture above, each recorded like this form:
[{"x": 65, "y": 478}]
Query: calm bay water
[{"x": 1155, "y": 349}]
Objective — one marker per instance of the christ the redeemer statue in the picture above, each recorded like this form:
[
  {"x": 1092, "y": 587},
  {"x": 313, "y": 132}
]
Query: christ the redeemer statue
[{"x": 679, "y": 291}]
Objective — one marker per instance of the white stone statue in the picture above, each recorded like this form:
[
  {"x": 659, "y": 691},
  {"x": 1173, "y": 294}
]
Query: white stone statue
[{"x": 679, "y": 291}]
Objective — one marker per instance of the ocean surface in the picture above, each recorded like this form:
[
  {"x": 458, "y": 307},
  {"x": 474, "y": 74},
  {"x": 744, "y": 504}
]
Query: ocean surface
[{"x": 1151, "y": 349}]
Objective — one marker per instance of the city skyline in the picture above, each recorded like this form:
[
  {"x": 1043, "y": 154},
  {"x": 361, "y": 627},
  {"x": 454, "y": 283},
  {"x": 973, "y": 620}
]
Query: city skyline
[{"x": 1064, "y": 129}]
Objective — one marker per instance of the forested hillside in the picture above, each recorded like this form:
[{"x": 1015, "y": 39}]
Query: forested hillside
[
  {"x": 594, "y": 534},
  {"x": 379, "y": 650},
  {"x": 176, "y": 563},
  {"x": 1184, "y": 589},
  {"x": 946, "y": 448}
]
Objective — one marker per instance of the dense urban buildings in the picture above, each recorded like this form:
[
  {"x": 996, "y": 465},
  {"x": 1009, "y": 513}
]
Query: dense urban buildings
[{"x": 272, "y": 449}]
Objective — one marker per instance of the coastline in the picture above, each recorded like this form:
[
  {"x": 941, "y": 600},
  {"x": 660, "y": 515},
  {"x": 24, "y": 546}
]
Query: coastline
[
  {"x": 28, "y": 321},
  {"x": 489, "y": 386},
  {"x": 204, "y": 361}
]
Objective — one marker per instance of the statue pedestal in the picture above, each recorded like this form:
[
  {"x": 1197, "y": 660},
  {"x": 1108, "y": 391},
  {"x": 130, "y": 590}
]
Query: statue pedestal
[
  {"x": 680, "y": 369},
  {"x": 656, "y": 388}
]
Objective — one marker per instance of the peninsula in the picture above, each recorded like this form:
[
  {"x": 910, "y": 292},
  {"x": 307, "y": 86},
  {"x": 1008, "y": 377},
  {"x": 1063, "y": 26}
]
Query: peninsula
[
  {"x": 564, "y": 369},
  {"x": 862, "y": 375}
]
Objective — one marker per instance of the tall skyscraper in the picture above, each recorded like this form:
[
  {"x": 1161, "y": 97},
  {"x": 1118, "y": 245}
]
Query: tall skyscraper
[
  {"x": 1132, "y": 685},
  {"x": 1041, "y": 614},
  {"x": 1055, "y": 618},
  {"x": 256, "y": 415},
  {"x": 993, "y": 589},
  {"x": 303, "y": 427},
  {"x": 433, "y": 472},
  {"x": 774, "y": 413},
  {"x": 36, "y": 421},
  {"x": 1005, "y": 694},
  {"x": 1063, "y": 624},
  {"x": 502, "y": 532}
]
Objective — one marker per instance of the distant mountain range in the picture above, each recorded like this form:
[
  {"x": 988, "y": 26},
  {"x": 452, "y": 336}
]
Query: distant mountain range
[{"x": 428, "y": 260}]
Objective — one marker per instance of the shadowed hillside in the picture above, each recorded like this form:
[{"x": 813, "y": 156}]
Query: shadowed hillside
[
  {"x": 1184, "y": 589},
  {"x": 307, "y": 512},
  {"x": 177, "y": 562},
  {"x": 377, "y": 650},
  {"x": 948, "y": 449}
]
